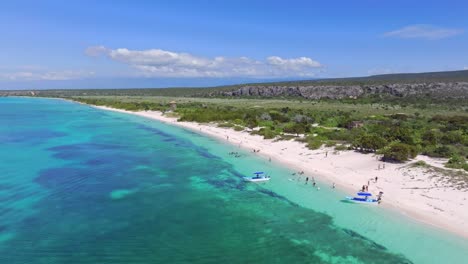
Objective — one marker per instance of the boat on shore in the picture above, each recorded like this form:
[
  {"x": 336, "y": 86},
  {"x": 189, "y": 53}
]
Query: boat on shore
[
  {"x": 259, "y": 177},
  {"x": 363, "y": 197}
]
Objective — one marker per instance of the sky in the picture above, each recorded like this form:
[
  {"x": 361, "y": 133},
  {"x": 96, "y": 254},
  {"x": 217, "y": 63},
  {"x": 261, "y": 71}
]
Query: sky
[{"x": 51, "y": 44}]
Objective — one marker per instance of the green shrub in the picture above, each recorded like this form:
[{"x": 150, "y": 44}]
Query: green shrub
[
  {"x": 314, "y": 143},
  {"x": 330, "y": 122},
  {"x": 238, "y": 128},
  {"x": 398, "y": 152},
  {"x": 442, "y": 151},
  {"x": 456, "y": 162},
  {"x": 267, "y": 133},
  {"x": 369, "y": 142},
  {"x": 225, "y": 125},
  {"x": 420, "y": 163},
  {"x": 341, "y": 147}
]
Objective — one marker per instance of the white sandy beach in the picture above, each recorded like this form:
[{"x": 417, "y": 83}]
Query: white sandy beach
[{"x": 415, "y": 192}]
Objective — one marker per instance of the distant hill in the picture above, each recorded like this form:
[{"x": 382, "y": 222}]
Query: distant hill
[
  {"x": 440, "y": 85},
  {"x": 425, "y": 77}
]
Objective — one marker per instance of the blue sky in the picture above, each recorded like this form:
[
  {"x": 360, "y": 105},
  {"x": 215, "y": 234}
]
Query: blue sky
[{"x": 107, "y": 44}]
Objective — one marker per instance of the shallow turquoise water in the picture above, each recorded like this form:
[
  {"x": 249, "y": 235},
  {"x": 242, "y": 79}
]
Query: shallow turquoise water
[{"x": 81, "y": 185}]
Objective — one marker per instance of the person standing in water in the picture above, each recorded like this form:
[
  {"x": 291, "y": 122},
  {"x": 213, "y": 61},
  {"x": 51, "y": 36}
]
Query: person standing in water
[
  {"x": 333, "y": 186},
  {"x": 307, "y": 180}
]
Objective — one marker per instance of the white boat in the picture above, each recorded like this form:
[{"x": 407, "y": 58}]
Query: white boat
[
  {"x": 363, "y": 197},
  {"x": 257, "y": 178}
]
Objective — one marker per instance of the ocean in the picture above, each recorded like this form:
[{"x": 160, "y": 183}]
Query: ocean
[{"x": 84, "y": 185}]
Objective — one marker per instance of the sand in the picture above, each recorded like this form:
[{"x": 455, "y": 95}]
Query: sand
[{"x": 413, "y": 191}]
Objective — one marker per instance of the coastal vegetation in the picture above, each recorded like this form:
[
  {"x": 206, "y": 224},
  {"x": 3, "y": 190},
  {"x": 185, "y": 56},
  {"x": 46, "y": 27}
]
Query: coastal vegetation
[{"x": 397, "y": 133}]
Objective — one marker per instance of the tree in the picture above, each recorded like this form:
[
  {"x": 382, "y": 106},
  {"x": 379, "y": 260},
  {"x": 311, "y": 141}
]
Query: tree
[
  {"x": 369, "y": 142},
  {"x": 432, "y": 136},
  {"x": 296, "y": 128},
  {"x": 399, "y": 152}
]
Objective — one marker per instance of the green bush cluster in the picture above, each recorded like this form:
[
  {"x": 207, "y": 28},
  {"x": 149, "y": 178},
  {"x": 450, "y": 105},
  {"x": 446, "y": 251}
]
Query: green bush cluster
[
  {"x": 398, "y": 152},
  {"x": 398, "y": 137},
  {"x": 457, "y": 162}
]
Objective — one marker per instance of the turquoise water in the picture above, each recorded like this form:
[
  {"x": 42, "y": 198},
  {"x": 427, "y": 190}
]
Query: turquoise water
[{"x": 81, "y": 185}]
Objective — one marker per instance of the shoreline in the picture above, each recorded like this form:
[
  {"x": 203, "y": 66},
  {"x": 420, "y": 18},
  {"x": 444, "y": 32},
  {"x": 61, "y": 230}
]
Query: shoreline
[{"x": 420, "y": 196}]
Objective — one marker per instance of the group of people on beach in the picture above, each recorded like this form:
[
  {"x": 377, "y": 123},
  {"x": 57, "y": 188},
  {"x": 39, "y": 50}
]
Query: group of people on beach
[
  {"x": 256, "y": 150},
  {"x": 365, "y": 188}
]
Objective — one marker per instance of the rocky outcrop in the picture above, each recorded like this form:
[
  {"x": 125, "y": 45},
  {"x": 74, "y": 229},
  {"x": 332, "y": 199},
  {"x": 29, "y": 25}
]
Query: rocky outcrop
[{"x": 453, "y": 90}]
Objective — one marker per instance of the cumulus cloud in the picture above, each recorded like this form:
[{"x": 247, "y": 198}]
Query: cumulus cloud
[
  {"x": 163, "y": 63},
  {"x": 424, "y": 32},
  {"x": 44, "y": 75},
  {"x": 96, "y": 51}
]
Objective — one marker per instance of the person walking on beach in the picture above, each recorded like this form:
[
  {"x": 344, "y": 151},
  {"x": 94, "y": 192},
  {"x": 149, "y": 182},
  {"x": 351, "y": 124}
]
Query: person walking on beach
[
  {"x": 326, "y": 154},
  {"x": 379, "y": 197},
  {"x": 333, "y": 186},
  {"x": 376, "y": 178}
]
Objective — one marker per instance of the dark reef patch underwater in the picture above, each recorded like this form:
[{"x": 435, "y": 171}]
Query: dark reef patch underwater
[{"x": 80, "y": 186}]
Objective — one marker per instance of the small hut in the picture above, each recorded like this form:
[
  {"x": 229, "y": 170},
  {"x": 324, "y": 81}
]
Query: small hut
[
  {"x": 355, "y": 124},
  {"x": 173, "y": 105}
]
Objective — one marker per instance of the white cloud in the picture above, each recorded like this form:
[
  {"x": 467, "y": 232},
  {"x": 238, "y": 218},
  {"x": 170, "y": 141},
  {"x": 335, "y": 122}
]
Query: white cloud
[
  {"x": 162, "y": 63},
  {"x": 44, "y": 75},
  {"x": 424, "y": 32},
  {"x": 96, "y": 51},
  {"x": 465, "y": 68}
]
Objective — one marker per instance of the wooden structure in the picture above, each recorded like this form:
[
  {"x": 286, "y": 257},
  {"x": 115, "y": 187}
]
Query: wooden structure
[{"x": 173, "y": 105}]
